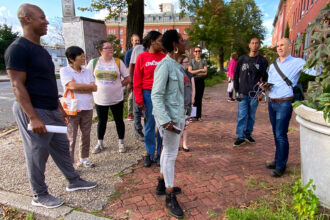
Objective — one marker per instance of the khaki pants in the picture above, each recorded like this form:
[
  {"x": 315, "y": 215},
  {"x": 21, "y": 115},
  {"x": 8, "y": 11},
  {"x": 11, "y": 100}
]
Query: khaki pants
[{"x": 83, "y": 119}]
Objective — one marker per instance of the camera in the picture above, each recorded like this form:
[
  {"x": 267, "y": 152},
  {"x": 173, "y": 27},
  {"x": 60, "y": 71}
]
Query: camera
[{"x": 239, "y": 97}]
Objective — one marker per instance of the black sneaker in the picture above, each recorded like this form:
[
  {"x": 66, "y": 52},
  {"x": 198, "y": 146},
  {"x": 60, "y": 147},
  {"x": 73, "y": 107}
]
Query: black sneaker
[
  {"x": 173, "y": 205},
  {"x": 157, "y": 161},
  {"x": 147, "y": 161},
  {"x": 250, "y": 139},
  {"x": 271, "y": 165},
  {"x": 277, "y": 173},
  {"x": 139, "y": 135},
  {"x": 239, "y": 142},
  {"x": 161, "y": 189},
  {"x": 47, "y": 201},
  {"x": 80, "y": 184}
]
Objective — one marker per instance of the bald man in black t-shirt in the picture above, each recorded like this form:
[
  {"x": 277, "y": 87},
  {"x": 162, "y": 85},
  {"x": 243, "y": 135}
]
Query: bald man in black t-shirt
[{"x": 32, "y": 75}]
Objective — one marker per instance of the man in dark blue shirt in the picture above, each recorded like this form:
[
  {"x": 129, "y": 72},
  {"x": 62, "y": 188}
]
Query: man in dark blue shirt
[{"x": 32, "y": 75}]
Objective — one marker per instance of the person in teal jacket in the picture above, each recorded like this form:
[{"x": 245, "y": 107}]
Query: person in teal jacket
[{"x": 167, "y": 97}]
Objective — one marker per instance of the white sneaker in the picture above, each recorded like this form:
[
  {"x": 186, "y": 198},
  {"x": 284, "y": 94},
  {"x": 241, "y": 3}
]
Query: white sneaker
[
  {"x": 122, "y": 148},
  {"x": 98, "y": 148}
]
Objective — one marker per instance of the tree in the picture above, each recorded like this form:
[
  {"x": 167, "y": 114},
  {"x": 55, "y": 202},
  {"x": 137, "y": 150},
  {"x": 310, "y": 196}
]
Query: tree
[
  {"x": 7, "y": 36},
  {"x": 209, "y": 26},
  {"x": 133, "y": 8},
  {"x": 246, "y": 24},
  {"x": 224, "y": 27},
  {"x": 116, "y": 45}
]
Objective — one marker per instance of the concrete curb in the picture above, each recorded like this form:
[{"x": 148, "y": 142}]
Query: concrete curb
[
  {"x": 22, "y": 202},
  {"x": 4, "y": 80}
]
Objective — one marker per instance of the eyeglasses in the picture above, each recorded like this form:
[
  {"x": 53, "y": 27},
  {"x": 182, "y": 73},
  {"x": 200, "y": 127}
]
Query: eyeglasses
[
  {"x": 197, "y": 51},
  {"x": 185, "y": 62},
  {"x": 107, "y": 48}
]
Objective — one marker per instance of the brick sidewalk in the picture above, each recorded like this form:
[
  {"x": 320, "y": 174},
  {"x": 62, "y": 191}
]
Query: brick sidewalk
[{"x": 213, "y": 175}]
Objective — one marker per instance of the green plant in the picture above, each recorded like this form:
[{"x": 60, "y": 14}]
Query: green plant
[
  {"x": 319, "y": 51},
  {"x": 305, "y": 201},
  {"x": 215, "y": 79}
]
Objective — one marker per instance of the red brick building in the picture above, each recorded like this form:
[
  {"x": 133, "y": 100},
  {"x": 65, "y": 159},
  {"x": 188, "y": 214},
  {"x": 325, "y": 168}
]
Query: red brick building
[
  {"x": 161, "y": 22},
  {"x": 297, "y": 14}
]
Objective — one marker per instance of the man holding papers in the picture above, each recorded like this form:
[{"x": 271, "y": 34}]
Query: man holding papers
[{"x": 32, "y": 75}]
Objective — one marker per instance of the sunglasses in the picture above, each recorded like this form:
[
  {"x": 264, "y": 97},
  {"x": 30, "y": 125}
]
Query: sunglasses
[{"x": 197, "y": 51}]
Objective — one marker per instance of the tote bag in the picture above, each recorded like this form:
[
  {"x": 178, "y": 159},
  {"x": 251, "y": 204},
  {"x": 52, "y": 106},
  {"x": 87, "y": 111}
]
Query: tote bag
[{"x": 69, "y": 104}]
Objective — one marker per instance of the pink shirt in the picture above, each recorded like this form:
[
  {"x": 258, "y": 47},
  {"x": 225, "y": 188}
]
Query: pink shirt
[{"x": 231, "y": 68}]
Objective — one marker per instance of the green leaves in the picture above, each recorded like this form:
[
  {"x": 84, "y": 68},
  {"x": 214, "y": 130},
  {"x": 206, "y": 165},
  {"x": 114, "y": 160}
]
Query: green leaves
[
  {"x": 305, "y": 202},
  {"x": 318, "y": 57},
  {"x": 7, "y": 36}
]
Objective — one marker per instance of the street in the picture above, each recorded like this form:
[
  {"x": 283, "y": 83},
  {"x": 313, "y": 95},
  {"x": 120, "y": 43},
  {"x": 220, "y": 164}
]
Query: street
[{"x": 7, "y": 99}]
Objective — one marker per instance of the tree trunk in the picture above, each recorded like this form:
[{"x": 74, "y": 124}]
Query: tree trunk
[
  {"x": 221, "y": 58},
  {"x": 135, "y": 20}
]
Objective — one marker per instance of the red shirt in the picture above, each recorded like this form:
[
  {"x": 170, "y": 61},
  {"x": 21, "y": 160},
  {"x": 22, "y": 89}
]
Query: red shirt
[{"x": 143, "y": 77}]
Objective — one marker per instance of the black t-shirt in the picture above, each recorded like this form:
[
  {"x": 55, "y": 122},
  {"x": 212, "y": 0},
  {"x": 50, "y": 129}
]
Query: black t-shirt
[
  {"x": 249, "y": 71},
  {"x": 23, "y": 55}
]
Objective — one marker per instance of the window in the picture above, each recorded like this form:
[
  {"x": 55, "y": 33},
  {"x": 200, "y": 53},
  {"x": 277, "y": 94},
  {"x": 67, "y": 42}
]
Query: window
[
  {"x": 156, "y": 29},
  {"x": 178, "y": 30},
  {"x": 184, "y": 32},
  {"x": 177, "y": 18},
  {"x": 121, "y": 31},
  {"x": 150, "y": 19},
  {"x": 112, "y": 31},
  {"x": 166, "y": 19},
  {"x": 121, "y": 41}
]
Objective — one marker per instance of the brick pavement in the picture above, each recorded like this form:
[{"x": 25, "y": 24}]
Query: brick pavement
[{"x": 214, "y": 175}]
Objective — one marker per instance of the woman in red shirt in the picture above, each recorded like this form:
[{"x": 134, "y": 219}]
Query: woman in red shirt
[{"x": 143, "y": 79}]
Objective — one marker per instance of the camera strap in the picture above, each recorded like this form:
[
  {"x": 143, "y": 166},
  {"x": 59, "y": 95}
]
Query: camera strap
[{"x": 284, "y": 77}]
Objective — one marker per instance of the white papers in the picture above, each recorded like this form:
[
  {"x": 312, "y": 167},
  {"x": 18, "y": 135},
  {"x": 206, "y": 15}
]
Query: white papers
[
  {"x": 53, "y": 129},
  {"x": 193, "y": 112}
]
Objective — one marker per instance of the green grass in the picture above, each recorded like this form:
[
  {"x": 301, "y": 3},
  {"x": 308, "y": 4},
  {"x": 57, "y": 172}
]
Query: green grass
[
  {"x": 215, "y": 79},
  {"x": 272, "y": 206}
]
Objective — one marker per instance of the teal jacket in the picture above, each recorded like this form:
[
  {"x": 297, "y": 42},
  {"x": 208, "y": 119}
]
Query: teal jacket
[{"x": 167, "y": 94}]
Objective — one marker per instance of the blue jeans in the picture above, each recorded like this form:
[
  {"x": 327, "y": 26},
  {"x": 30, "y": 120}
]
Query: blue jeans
[
  {"x": 280, "y": 115},
  {"x": 246, "y": 116},
  {"x": 149, "y": 127}
]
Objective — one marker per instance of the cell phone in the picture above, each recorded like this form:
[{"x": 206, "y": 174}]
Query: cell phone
[{"x": 176, "y": 129}]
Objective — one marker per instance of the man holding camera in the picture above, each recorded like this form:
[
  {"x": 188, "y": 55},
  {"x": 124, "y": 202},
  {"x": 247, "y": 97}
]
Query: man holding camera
[{"x": 250, "y": 71}]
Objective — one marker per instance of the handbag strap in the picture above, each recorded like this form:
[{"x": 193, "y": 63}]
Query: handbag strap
[
  {"x": 66, "y": 93},
  {"x": 284, "y": 77}
]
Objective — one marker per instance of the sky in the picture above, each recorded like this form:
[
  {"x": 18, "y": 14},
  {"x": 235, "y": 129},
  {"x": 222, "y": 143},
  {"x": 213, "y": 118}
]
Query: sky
[{"x": 53, "y": 9}]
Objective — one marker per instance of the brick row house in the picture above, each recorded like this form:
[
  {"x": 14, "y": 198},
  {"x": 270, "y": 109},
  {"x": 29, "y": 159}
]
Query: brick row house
[{"x": 297, "y": 14}]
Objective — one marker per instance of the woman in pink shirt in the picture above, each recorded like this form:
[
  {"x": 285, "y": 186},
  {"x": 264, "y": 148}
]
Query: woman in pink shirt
[
  {"x": 230, "y": 74},
  {"x": 143, "y": 79}
]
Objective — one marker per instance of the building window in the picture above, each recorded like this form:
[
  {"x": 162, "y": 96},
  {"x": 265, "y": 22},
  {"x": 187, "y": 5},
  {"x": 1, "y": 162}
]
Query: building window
[
  {"x": 156, "y": 29},
  {"x": 112, "y": 31},
  {"x": 184, "y": 32},
  {"x": 166, "y": 19},
  {"x": 177, "y": 18},
  {"x": 178, "y": 30},
  {"x": 121, "y": 31},
  {"x": 150, "y": 19},
  {"x": 121, "y": 41}
]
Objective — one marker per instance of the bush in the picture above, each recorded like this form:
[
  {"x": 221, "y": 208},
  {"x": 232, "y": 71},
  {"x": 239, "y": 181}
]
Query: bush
[
  {"x": 215, "y": 79},
  {"x": 304, "y": 79}
]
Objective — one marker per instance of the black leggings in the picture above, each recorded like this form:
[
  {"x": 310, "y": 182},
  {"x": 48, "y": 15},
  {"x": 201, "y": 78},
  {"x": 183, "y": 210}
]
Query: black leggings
[
  {"x": 199, "y": 87},
  {"x": 102, "y": 116}
]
